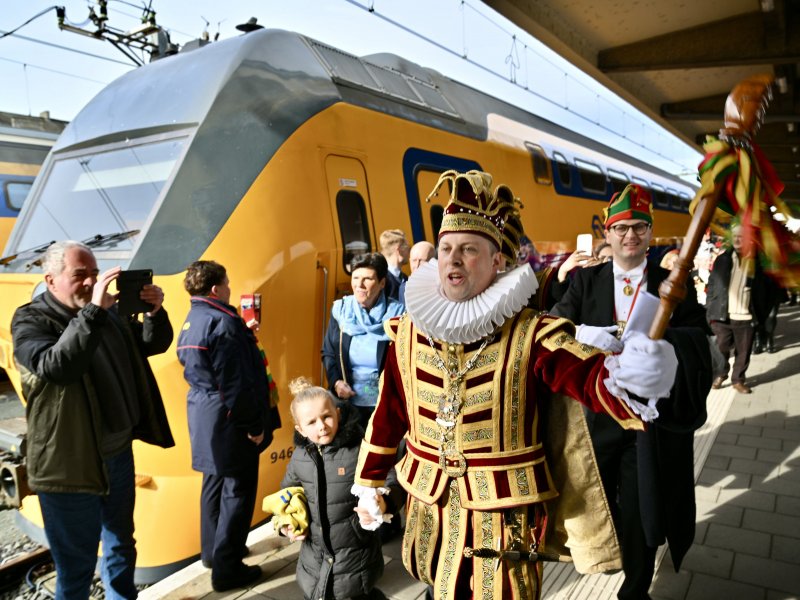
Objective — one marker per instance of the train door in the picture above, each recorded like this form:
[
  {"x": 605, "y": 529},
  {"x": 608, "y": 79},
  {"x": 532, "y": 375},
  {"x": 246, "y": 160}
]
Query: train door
[{"x": 348, "y": 194}]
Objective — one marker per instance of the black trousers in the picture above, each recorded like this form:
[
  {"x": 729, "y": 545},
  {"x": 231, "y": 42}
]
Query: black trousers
[
  {"x": 615, "y": 449},
  {"x": 736, "y": 336},
  {"x": 226, "y": 509}
]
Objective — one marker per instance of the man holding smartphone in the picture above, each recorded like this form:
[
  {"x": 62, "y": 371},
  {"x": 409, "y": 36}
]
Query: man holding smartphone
[
  {"x": 90, "y": 392},
  {"x": 599, "y": 300}
]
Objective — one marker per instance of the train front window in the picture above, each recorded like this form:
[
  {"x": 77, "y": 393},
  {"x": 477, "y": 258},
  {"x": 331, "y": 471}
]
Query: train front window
[{"x": 100, "y": 193}]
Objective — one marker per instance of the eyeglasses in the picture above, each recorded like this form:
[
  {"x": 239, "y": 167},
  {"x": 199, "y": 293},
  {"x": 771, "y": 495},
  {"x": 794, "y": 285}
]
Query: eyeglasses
[{"x": 622, "y": 230}]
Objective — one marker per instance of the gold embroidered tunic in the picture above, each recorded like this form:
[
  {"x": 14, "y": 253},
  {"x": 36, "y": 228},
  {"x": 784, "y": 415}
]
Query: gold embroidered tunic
[{"x": 478, "y": 476}]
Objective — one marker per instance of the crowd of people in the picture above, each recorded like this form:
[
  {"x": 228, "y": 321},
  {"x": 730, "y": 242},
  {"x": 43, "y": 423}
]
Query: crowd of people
[{"x": 487, "y": 397}]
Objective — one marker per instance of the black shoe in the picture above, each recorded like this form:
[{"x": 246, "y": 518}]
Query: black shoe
[
  {"x": 244, "y": 578},
  {"x": 245, "y": 552},
  {"x": 758, "y": 349},
  {"x": 771, "y": 347}
]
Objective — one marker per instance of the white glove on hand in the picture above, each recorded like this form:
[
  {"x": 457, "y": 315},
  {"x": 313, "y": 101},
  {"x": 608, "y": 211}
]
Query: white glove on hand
[
  {"x": 366, "y": 499},
  {"x": 599, "y": 337},
  {"x": 646, "y": 367}
]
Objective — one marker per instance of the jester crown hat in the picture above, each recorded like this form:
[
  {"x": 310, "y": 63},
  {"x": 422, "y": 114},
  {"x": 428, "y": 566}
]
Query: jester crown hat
[
  {"x": 474, "y": 208},
  {"x": 634, "y": 202}
]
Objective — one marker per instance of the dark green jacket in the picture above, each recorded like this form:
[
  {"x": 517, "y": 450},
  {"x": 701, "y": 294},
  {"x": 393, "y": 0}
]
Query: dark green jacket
[{"x": 54, "y": 351}]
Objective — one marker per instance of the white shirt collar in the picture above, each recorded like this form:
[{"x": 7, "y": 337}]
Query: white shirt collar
[
  {"x": 633, "y": 274},
  {"x": 468, "y": 321}
]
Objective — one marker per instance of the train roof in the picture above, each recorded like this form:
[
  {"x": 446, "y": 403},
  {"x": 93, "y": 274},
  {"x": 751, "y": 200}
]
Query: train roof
[{"x": 301, "y": 77}]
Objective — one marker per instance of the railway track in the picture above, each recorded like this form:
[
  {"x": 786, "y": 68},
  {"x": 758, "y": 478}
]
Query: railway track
[{"x": 14, "y": 570}]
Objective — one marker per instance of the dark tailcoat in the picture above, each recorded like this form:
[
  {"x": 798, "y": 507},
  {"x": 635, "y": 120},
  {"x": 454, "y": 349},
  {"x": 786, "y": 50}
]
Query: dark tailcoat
[{"x": 660, "y": 460}]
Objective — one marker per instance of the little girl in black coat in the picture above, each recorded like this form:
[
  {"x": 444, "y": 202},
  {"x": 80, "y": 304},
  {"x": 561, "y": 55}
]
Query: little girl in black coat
[{"x": 339, "y": 559}]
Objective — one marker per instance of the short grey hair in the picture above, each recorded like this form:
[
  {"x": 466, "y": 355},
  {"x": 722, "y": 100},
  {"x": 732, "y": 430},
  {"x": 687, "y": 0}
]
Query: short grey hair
[{"x": 53, "y": 259}]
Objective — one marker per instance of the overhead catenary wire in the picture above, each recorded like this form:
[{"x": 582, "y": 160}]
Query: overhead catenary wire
[
  {"x": 41, "y": 68},
  {"x": 464, "y": 55},
  {"x": 33, "y": 18},
  {"x": 66, "y": 48}
]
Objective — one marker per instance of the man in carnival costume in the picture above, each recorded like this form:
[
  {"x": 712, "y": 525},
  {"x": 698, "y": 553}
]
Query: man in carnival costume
[
  {"x": 648, "y": 476},
  {"x": 474, "y": 382}
]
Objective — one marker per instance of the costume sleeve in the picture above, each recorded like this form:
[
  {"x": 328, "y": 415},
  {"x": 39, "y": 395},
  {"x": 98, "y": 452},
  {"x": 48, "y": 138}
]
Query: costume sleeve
[
  {"x": 59, "y": 357},
  {"x": 388, "y": 425},
  {"x": 563, "y": 365},
  {"x": 331, "y": 357},
  {"x": 569, "y": 306}
]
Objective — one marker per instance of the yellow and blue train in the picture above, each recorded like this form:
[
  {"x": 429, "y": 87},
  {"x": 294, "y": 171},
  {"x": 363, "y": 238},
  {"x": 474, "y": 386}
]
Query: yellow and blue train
[
  {"x": 24, "y": 144},
  {"x": 279, "y": 156}
]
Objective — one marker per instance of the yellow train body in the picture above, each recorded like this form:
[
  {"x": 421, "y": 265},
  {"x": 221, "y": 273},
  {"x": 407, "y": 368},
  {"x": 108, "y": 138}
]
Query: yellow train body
[{"x": 285, "y": 239}]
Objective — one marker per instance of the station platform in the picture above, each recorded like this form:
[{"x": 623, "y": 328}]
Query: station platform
[{"x": 747, "y": 544}]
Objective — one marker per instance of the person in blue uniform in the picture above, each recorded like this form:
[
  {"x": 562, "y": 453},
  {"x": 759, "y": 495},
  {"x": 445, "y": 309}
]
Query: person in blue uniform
[{"x": 230, "y": 420}]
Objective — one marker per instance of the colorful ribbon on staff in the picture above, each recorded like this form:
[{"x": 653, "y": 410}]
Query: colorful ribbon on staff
[{"x": 751, "y": 195}]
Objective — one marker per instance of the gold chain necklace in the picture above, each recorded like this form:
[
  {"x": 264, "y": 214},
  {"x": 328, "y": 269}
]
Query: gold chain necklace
[{"x": 452, "y": 462}]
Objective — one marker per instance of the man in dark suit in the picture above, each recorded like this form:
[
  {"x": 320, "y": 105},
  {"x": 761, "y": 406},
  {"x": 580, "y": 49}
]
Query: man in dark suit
[
  {"x": 395, "y": 249},
  {"x": 599, "y": 300}
]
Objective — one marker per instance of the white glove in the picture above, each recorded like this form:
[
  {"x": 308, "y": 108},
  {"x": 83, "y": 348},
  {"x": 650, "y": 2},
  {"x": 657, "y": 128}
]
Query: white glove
[
  {"x": 646, "y": 367},
  {"x": 366, "y": 499},
  {"x": 599, "y": 337}
]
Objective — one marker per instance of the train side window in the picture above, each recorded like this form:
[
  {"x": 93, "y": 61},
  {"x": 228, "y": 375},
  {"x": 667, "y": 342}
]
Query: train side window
[
  {"x": 591, "y": 176},
  {"x": 564, "y": 173},
  {"x": 437, "y": 214},
  {"x": 541, "y": 166},
  {"x": 15, "y": 193},
  {"x": 684, "y": 202},
  {"x": 353, "y": 225},
  {"x": 660, "y": 197},
  {"x": 618, "y": 180}
]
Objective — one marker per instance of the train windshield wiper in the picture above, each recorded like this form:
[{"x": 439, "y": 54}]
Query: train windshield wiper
[
  {"x": 26, "y": 253},
  {"x": 109, "y": 239},
  {"x": 96, "y": 241}
]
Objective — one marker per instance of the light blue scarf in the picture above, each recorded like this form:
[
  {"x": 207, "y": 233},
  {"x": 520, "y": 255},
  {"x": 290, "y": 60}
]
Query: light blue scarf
[{"x": 355, "y": 320}]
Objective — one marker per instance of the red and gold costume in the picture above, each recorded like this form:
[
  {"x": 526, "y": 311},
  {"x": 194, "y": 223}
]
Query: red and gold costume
[
  {"x": 497, "y": 443},
  {"x": 496, "y": 458}
]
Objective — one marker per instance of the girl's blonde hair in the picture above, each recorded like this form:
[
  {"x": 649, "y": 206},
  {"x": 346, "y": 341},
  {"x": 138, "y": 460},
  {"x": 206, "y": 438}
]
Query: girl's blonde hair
[{"x": 303, "y": 390}]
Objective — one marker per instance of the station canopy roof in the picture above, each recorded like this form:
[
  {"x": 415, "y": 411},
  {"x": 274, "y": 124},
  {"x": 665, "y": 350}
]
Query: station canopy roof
[{"x": 677, "y": 60}]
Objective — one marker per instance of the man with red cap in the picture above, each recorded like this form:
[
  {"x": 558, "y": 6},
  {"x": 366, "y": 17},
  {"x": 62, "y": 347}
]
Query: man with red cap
[
  {"x": 599, "y": 300},
  {"x": 473, "y": 381}
]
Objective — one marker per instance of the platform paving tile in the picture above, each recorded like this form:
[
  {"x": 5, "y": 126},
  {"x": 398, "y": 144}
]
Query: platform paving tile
[
  {"x": 718, "y": 462},
  {"x": 752, "y": 498},
  {"x": 709, "y": 560},
  {"x": 740, "y": 429},
  {"x": 723, "y": 478},
  {"x": 776, "y": 523},
  {"x": 759, "y": 442},
  {"x": 786, "y": 549},
  {"x": 788, "y": 505},
  {"x": 738, "y": 540},
  {"x": 705, "y": 587},
  {"x": 733, "y": 450},
  {"x": 753, "y": 467},
  {"x": 719, "y": 513},
  {"x": 767, "y": 573},
  {"x": 783, "y": 433}
]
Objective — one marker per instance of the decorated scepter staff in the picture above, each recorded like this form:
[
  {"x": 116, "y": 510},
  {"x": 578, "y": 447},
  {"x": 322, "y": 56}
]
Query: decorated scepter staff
[{"x": 736, "y": 180}]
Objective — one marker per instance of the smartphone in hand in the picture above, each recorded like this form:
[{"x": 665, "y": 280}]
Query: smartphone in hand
[
  {"x": 130, "y": 285},
  {"x": 584, "y": 243}
]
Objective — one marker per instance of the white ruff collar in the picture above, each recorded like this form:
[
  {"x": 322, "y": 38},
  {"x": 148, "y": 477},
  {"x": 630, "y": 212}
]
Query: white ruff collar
[{"x": 468, "y": 321}]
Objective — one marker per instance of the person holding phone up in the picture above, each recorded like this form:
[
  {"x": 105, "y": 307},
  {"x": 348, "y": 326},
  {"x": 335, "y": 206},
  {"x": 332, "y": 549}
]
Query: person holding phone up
[{"x": 90, "y": 392}]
